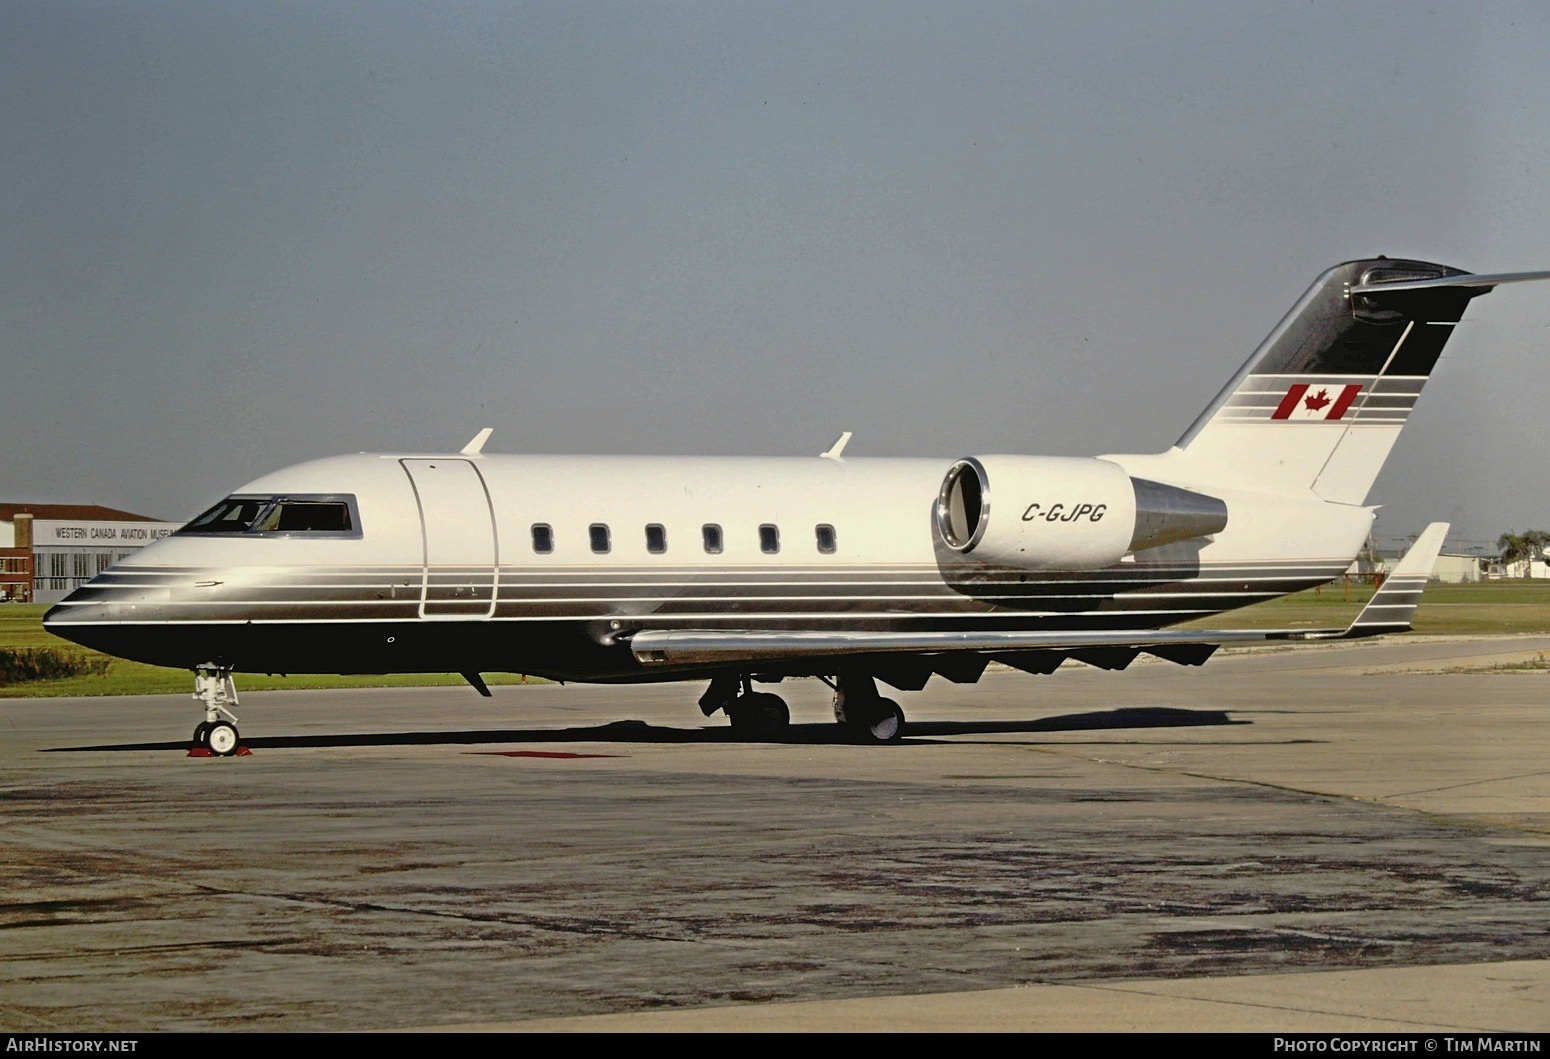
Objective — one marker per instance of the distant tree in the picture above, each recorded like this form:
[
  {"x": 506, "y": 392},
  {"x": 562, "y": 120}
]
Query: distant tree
[{"x": 1523, "y": 547}]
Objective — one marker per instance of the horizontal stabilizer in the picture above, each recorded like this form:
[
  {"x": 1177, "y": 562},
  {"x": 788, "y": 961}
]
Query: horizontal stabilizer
[
  {"x": 1450, "y": 282},
  {"x": 1390, "y": 610}
]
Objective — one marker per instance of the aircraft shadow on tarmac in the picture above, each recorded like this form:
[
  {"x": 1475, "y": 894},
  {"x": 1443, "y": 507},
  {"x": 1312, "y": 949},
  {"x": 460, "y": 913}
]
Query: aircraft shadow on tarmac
[{"x": 825, "y": 734}]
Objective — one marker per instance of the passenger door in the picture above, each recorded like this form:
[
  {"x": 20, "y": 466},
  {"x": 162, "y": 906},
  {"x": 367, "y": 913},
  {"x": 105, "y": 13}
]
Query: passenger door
[{"x": 458, "y": 529}]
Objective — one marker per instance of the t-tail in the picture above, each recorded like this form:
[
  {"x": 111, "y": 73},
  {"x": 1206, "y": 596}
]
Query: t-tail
[{"x": 1321, "y": 402}]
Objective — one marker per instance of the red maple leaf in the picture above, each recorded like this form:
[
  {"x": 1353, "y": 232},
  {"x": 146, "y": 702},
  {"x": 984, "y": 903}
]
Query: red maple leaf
[{"x": 1315, "y": 402}]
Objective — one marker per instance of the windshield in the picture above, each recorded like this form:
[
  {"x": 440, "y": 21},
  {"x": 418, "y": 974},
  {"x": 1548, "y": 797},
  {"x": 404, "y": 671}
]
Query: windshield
[
  {"x": 279, "y": 515},
  {"x": 232, "y": 515}
]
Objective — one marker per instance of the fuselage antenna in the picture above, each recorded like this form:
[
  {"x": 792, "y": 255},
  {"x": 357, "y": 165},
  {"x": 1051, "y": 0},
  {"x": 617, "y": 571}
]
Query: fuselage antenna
[{"x": 837, "y": 448}]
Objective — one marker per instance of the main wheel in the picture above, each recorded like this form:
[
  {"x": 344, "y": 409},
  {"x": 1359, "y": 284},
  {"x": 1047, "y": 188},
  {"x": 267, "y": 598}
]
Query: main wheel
[
  {"x": 885, "y": 723},
  {"x": 759, "y": 715},
  {"x": 222, "y": 739},
  {"x": 202, "y": 735}
]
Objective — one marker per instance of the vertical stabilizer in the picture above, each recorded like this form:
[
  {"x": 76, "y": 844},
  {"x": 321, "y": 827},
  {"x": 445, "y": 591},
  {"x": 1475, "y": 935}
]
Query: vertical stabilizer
[{"x": 1323, "y": 399}]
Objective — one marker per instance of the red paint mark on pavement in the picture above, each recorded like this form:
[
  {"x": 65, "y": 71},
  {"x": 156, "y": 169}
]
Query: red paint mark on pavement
[{"x": 538, "y": 753}]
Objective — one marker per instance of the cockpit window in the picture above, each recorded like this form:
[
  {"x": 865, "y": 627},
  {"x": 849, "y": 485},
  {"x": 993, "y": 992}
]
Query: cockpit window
[
  {"x": 330, "y": 516},
  {"x": 232, "y": 515},
  {"x": 305, "y": 516}
]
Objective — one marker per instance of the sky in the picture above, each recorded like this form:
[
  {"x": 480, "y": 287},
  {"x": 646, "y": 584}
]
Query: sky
[{"x": 236, "y": 236}]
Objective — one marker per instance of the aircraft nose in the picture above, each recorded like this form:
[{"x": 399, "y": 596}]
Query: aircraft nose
[
  {"x": 107, "y": 617},
  {"x": 57, "y": 619},
  {"x": 84, "y": 605},
  {"x": 80, "y": 618},
  {"x": 155, "y": 615},
  {"x": 82, "y": 635}
]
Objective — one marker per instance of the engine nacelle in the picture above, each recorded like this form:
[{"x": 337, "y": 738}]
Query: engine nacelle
[{"x": 1064, "y": 513}]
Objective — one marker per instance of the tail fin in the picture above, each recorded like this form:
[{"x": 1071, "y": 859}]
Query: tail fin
[{"x": 1322, "y": 400}]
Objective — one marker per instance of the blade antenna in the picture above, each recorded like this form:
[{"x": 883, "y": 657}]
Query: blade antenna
[
  {"x": 476, "y": 446},
  {"x": 837, "y": 448}
]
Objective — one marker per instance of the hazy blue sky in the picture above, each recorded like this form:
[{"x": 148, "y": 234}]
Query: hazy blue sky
[{"x": 235, "y": 236}]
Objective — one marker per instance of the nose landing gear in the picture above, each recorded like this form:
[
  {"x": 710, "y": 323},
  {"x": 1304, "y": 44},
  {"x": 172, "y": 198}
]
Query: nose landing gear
[{"x": 216, "y": 736}]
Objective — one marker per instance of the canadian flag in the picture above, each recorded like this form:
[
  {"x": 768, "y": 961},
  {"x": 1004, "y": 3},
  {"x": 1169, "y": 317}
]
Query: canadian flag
[{"x": 1316, "y": 402}]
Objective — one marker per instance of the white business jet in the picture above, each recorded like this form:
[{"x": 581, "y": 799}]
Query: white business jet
[{"x": 738, "y": 571}]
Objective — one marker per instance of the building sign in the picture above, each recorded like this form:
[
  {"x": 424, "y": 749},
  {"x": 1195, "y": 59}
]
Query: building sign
[
  {"x": 69, "y": 552},
  {"x": 52, "y": 533}
]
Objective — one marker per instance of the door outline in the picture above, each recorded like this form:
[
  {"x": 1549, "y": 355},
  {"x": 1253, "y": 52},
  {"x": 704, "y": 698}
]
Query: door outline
[{"x": 468, "y": 506}]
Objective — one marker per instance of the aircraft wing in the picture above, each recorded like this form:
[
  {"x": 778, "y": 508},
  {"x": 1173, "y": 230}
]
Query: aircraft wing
[{"x": 1390, "y": 610}]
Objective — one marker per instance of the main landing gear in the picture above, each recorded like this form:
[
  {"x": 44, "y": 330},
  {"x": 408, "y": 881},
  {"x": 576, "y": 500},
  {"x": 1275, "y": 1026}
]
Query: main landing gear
[
  {"x": 865, "y": 715},
  {"x": 216, "y": 735},
  {"x": 755, "y": 715}
]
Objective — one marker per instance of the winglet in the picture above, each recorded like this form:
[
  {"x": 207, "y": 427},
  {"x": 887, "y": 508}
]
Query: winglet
[
  {"x": 1393, "y": 605},
  {"x": 476, "y": 446},
  {"x": 837, "y": 448}
]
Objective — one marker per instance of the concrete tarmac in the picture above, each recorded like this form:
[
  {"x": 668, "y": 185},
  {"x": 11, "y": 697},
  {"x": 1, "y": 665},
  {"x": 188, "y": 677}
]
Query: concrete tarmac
[{"x": 1340, "y": 838}]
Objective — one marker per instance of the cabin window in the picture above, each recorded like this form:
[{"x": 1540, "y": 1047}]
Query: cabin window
[
  {"x": 769, "y": 538},
  {"x": 656, "y": 538},
  {"x": 711, "y": 534},
  {"x": 826, "y": 540},
  {"x": 598, "y": 531},
  {"x": 331, "y": 516},
  {"x": 543, "y": 538}
]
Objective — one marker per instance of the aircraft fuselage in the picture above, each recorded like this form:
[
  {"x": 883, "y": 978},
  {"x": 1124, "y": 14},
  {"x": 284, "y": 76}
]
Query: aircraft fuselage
[{"x": 547, "y": 564}]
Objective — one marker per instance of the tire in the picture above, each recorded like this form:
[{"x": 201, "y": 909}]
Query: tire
[
  {"x": 202, "y": 735},
  {"x": 222, "y": 739},
  {"x": 759, "y": 716},
  {"x": 773, "y": 717},
  {"x": 886, "y": 724}
]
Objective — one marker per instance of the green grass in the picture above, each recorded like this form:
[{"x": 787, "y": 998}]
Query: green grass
[
  {"x": 21, "y": 626},
  {"x": 1488, "y": 608},
  {"x": 1483, "y": 609}
]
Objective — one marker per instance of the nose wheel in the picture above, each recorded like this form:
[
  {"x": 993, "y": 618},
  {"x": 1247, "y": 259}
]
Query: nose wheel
[
  {"x": 216, "y": 735},
  {"x": 222, "y": 739}
]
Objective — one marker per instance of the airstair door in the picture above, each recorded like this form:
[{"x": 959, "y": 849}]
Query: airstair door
[{"x": 458, "y": 528}]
